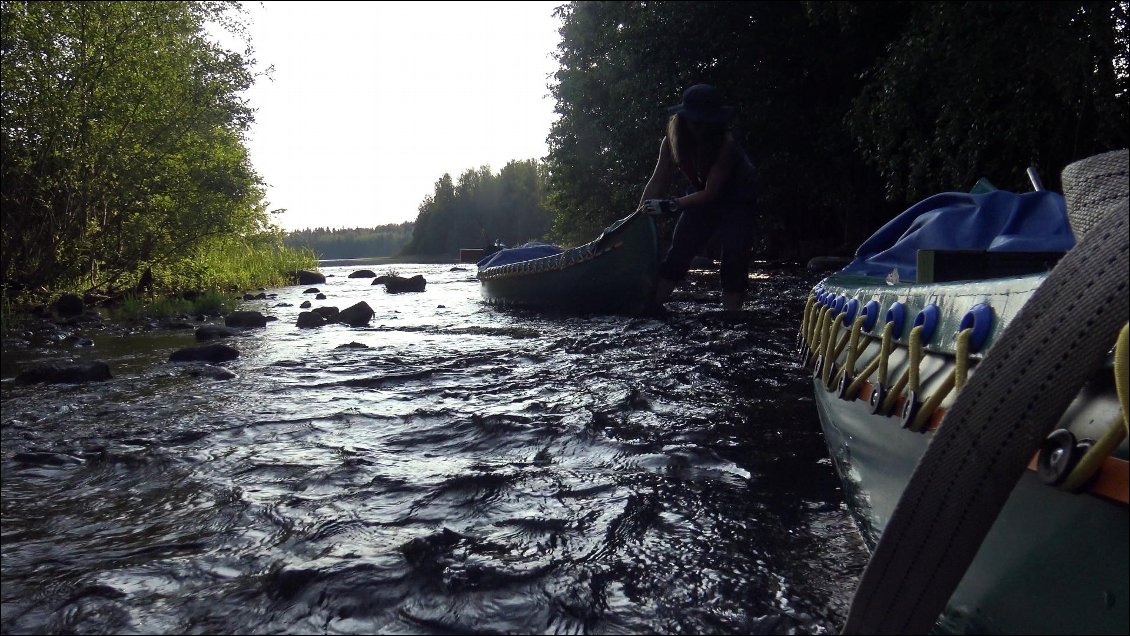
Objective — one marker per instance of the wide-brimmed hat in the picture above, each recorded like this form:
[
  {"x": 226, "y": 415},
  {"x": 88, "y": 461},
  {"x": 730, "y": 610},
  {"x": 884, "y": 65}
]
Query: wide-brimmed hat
[{"x": 703, "y": 102}]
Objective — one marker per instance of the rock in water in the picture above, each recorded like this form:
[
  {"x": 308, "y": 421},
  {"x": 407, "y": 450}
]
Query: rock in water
[
  {"x": 357, "y": 315},
  {"x": 206, "y": 353},
  {"x": 212, "y": 332},
  {"x": 94, "y": 371},
  {"x": 309, "y": 319},
  {"x": 398, "y": 285},
  {"x": 245, "y": 319}
]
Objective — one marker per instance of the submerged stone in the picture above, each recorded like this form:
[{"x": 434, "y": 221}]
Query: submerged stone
[
  {"x": 206, "y": 353},
  {"x": 75, "y": 373},
  {"x": 245, "y": 319},
  {"x": 213, "y": 332}
]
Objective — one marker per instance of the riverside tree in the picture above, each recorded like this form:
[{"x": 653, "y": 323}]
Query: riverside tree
[
  {"x": 123, "y": 141},
  {"x": 851, "y": 111}
]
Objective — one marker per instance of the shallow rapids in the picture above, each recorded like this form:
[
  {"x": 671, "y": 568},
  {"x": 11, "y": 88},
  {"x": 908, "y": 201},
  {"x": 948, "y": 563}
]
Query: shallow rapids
[{"x": 452, "y": 467}]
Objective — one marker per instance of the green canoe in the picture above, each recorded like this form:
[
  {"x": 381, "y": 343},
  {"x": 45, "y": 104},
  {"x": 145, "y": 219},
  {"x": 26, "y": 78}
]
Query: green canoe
[
  {"x": 1056, "y": 559},
  {"x": 977, "y": 412},
  {"x": 615, "y": 273}
]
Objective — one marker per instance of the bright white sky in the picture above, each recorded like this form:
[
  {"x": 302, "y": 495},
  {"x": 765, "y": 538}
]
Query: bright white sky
[{"x": 372, "y": 102}]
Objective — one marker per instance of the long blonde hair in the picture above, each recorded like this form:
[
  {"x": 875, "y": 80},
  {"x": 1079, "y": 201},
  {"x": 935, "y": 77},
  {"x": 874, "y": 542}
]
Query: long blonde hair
[{"x": 695, "y": 145}]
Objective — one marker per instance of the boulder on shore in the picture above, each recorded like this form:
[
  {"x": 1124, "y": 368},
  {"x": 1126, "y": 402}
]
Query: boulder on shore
[
  {"x": 69, "y": 305},
  {"x": 309, "y": 278}
]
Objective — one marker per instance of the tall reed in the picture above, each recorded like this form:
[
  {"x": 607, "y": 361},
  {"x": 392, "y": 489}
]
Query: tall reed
[
  {"x": 136, "y": 307},
  {"x": 236, "y": 263}
]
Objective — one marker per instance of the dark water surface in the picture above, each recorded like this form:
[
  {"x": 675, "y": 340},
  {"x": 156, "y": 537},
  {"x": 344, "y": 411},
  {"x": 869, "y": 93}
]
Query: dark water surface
[{"x": 460, "y": 468}]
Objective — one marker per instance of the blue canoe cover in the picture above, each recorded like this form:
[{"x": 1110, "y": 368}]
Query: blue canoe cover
[
  {"x": 996, "y": 221},
  {"x": 526, "y": 252}
]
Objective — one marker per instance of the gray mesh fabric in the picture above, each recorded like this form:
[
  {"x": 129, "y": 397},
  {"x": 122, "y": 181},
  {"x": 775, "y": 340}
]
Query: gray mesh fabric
[{"x": 1091, "y": 186}]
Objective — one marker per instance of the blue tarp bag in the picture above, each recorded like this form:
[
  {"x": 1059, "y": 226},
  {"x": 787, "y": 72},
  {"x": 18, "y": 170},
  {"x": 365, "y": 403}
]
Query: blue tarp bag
[
  {"x": 995, "y": 221},
  {"x": 525, "y": 252}
]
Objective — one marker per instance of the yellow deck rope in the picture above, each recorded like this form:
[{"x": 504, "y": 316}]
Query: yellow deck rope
[
  {"x": 910, "y": 375},
  {"x": 818, "y": 312},
  {"x": 833, "y": 331},
  {"x": 853, "y": 348},
  {"x": 818, "y": 334},
  {"x": 853, "y": 352},
  {"x": 1122, "y": 373},
  {"x": 857, "y": 383},
  {"x": 810, "y": 337},
  {"x": 1093, "y": 459},
  {"x": 807, "y": 317},
  {"x": 840, "y": 346},
  {"x": 878, "y": 362},
  {"x": 893, "y": 393},
  {"x": 955, "y": 378},
  {"x": 961, "y": 358},
  {"x": 885, "y": 351},
  {"x": 914, "y": 352},
  {"x": 819, "y": 328}
]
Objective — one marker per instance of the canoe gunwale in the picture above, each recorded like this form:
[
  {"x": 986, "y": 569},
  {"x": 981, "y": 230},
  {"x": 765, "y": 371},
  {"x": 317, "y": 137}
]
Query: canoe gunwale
[
  {"x": 569, "y": 258},
  {"x": 615, "y": 273}
]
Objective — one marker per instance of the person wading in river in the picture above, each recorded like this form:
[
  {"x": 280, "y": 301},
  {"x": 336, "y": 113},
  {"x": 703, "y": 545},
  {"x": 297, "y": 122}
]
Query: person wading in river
[{"x": 721, "y": 198}]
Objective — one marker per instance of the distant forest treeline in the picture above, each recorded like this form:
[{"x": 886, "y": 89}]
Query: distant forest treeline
[
  {"x": 483, "y": 207},
  {"x": 327, "y": 243},
  {"x": 480, "y": 209}
]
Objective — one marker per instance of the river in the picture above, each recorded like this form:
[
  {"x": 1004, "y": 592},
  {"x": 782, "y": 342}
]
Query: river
[{"x": 451, "y": 468}]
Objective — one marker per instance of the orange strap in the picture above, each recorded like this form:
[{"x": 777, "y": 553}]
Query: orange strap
[{"x": 1111, "y": 482}]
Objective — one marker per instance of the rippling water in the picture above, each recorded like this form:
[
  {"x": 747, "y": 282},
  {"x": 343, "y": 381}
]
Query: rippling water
[{"x": 453, "y": 467}]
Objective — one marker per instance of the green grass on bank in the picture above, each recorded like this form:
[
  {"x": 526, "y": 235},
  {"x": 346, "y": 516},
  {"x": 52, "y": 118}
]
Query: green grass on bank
[
  {"x": 237, "y": 263},
  {"x": 216, "y": 271},
  {"x": 134, "y": 307}
]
